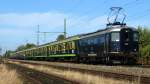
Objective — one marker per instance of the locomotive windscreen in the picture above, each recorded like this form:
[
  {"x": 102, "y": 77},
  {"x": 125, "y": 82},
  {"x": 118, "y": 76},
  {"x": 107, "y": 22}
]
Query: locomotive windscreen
[
  {"x": 115, "y": 41},
  {"x": 115, "y": 36}
]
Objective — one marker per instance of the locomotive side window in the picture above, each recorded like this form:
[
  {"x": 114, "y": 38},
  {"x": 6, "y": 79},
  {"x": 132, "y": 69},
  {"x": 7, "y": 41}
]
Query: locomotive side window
[
  {"x": 115, "y": 36},
  {"x": 126, "y": 35},
  {"x": 102, "y": 39},
  {"x": 135, "y": 36},
  {"x": 95, "y": 40}
]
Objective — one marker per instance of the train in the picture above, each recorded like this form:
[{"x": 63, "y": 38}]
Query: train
[{"x": 117, "y": 43}]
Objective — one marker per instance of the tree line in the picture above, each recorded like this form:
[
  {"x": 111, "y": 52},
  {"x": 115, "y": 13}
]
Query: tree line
[
  {"x": 28, "y": 45},
  {"x": 19, "y": 48}
]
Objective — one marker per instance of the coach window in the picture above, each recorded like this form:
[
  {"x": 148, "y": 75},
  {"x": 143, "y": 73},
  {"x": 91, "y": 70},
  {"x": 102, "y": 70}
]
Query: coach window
[
  {"x": 115, "y": 36},
  {"x": 73, "y": 45},
  {"x": 92, "y": 41},
  {"x": 67, "y": 46},
  {"x": 56, "y": 47},
  {"x": 70, "y": 45},
  {"x": 49, "y": 48},
  {"x": 88, "y": 41},
  {"x": 83, "y": 42}
]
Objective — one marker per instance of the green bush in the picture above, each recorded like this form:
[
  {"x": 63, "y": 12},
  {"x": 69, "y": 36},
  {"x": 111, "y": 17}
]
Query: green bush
[{"x": 144, "y": 44}]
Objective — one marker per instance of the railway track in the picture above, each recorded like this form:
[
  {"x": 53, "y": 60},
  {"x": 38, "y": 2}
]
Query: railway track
[
  {"x": 121, "y": 75},
  {"x": 31, "y": 76},
  {"x": 138, "y": 66}
]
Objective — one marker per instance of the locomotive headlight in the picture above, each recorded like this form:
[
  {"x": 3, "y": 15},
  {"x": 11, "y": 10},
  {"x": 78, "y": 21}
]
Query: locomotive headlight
[
  {"x": 125, "y": 43},
  {"x": 117, "y": 49},
  {"x": 134, "y": 49}
]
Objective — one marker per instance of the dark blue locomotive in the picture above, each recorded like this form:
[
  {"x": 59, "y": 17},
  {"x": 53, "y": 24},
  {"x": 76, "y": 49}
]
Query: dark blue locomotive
[{"x": 117, "y": 43}]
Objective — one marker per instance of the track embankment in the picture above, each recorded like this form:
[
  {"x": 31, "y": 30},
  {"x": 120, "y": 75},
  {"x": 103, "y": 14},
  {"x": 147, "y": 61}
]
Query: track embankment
[
  {"x": 130, "y": 74},
  {"x": 33, "y": 76}
]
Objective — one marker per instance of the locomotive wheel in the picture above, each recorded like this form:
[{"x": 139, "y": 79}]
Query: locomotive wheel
[
  {"x": 131, "y": 61},
  {"x": 108, "y": 60}
]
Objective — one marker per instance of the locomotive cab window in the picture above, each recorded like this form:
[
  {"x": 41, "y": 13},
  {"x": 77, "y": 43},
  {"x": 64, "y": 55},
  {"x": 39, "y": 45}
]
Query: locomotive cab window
[{"x": 115, "y": 36}]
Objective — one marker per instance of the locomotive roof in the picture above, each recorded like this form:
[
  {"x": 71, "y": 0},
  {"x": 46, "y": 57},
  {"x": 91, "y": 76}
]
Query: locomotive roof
[{"x": 106, "y": 30}]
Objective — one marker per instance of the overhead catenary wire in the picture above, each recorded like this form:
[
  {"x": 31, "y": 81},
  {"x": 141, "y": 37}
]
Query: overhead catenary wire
[
  {"x": 129, "y": 3},
  {"x": 140, "y": 17},
  {"x": 93, "y": 9},
  {"x": 39, "y": 32},
  {"x": 135, "y": 15}
]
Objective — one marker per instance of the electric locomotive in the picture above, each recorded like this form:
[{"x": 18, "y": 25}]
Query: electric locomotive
[{"x": 117, "y": 43}]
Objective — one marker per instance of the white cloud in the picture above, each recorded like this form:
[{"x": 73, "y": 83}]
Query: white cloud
[
  {"x": 27, "y": 20},
  {"x": 86, "y": 24},
  {"x": 136, "y": 23},
  {"x": 23, "y": 26},
  {"x": 50, "y": 19}
]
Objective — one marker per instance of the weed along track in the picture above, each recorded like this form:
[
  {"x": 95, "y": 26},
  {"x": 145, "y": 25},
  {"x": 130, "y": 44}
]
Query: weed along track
[
  {"x": 83, "y": 76},
  {"x": 33, "y": 76},
  {"x": 9, "y": 76}
]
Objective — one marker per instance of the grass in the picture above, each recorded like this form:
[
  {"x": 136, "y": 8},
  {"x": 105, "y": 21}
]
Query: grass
[
  {"x": 83, "y": 78},
  {"x": 8, "y": 76}
]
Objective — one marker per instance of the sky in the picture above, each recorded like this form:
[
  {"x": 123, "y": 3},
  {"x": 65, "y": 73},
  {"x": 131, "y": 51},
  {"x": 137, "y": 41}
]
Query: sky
[{"x": 19, "y": 18}]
